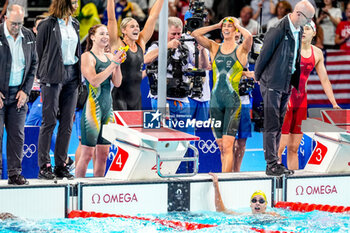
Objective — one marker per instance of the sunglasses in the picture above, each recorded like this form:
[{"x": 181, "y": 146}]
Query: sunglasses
[{"x": 261, "y": 201}]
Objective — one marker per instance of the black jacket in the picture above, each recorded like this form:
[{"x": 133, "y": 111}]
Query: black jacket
[
  {"x": 51, "y": 68},
  {"x": 31, "y": 61},
  {"x": 274, "y": 65}
]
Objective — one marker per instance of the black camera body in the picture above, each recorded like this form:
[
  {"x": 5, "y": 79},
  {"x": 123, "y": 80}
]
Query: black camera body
[
  {"x": 197, "y": 8},
  {"x": 177, "y": 87},
  {"x": 197, "y": 79},
  {"x": 245, "y": 86}
]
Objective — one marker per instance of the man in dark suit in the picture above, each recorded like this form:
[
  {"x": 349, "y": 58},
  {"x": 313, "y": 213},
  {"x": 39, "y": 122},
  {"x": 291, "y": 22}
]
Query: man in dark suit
[
  {"x": 18, "y": 65},
  {"x": 277, "y": 69}
]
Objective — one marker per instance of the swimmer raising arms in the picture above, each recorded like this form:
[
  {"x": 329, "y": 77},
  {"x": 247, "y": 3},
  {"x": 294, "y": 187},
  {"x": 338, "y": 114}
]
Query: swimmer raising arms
[{"x": 258, "y": 202}]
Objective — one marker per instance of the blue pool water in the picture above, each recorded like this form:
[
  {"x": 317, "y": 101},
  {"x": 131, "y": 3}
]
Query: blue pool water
[{"x": 297, "y": 222}]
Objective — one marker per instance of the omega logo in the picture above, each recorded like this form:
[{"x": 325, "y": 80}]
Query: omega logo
[
  {"x": 313, "y": 190},
  {"x": 114, "y": 198}
]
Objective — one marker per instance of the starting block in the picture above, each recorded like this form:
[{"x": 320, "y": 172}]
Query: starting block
[
  {"x": 146, "y": 153},
  {"x": 332, "y": 136}
]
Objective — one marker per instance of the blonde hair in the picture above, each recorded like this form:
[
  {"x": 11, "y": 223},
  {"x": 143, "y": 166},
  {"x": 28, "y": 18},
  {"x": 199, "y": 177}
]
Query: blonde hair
[
  {"x": 125, "y": 22},
  {"x": 175, "y": 21}
]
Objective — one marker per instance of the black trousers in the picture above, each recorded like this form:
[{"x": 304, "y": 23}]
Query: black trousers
[
  {"x": 59, "y": 102},
  {"x": 275, "y": 107},
  {"x": 13, "y": 119}
]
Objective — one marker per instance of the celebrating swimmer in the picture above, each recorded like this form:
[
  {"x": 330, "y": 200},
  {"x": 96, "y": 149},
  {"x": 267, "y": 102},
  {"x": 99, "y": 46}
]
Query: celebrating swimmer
[
  {"x": 128, "y": 95},
  {"x": 258, "y": 201},
  {"x": 228, "y": 62}
]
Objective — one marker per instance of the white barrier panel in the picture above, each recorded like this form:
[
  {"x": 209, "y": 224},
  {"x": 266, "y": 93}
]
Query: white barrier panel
[
  {"x": 125, "y": 199},
  {"x": 235, "y": 193},
  {"x": 34, "y": 202},
  {"x": 331, "y": 190}
]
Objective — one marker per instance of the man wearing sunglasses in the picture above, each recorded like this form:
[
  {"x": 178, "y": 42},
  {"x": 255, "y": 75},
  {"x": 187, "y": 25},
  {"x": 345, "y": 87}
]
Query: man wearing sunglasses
[
  {"x": 278, "y": 69},
  {"x": 258, "y": 201}
]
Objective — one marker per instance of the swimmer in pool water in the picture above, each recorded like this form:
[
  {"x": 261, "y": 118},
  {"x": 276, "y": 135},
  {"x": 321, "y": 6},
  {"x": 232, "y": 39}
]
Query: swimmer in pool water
[{"x": 258, "y": 202}]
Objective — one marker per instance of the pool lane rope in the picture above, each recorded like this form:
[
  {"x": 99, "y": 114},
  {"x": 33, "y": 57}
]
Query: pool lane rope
[
  {"x": 306, "y": 207},
  {"x": 178, "y": 225}
]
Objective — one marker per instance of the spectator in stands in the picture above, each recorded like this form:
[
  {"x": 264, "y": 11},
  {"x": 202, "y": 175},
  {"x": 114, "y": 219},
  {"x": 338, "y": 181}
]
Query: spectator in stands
[
  {"x": 311, "y": 57},
  {"x": 182, "y": 7},
  {"x": 319, "y": 35},
  {"x": 22, "y": 3},
  {"x": 266, "y": 7},
  {"x": 258, "y": 201},
  {"x": 58, "y": 48},
  {"x": 128, "y": 95},
  {"x": 246, "y": 20},
  {"x": 122, "y": 10},
  {"x": 99, "y": 69},
  {"x": 18, "y": 67},
  {"x": 88, "y": 15},
  {"x": 282, "y": 9},
  {"x": 277, "y": 72},
  {"x": 223, "y": 8},
  {"x": 328, "y": 17},
  {"x": 342, "y": 33}
]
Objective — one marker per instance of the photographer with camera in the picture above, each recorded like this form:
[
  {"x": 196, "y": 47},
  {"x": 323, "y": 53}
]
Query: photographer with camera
[
  {"x": 200, "y": 92},
  {"x": 180, "y": 58},
  {"x": 228, "y": 62}
]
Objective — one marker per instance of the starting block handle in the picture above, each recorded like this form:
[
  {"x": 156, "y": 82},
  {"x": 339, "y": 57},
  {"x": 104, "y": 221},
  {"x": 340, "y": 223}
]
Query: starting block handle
[{"x": 194, "y": 159}]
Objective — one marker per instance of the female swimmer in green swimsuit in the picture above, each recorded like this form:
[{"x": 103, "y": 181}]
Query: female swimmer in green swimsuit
[
  {"x": 228, "y": 62},
  {"x": 99, "y": 68}
]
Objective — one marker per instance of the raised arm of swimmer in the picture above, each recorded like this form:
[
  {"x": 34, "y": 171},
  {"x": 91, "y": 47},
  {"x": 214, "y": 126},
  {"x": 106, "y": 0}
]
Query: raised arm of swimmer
[
  {"x": 147, "y": 32},
  {"x": 112, "y": 25},
  {"x": 211, "y": 45},
  {"x": 219, "y": 204}
]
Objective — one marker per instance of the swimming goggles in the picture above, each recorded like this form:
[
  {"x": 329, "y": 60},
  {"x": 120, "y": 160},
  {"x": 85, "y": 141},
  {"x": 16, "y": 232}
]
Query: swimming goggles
[
  {"x": 229, "y": 19},
  {"x": 261, "y": 201}
]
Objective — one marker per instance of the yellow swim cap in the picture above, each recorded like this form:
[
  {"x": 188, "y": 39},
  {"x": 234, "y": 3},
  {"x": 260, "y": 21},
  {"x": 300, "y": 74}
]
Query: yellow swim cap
[{"x": 259, "y": 192}]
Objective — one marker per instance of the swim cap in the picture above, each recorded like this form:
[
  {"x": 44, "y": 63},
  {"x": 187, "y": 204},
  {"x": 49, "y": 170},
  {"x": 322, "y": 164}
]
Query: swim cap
[
  {"x": 312, "y": 25},
  {"x": 259, "y": 192}
]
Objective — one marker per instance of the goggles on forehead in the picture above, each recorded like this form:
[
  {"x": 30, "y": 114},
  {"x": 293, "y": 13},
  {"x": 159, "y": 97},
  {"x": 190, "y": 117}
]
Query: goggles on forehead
[{"x": 230, "y": 20}]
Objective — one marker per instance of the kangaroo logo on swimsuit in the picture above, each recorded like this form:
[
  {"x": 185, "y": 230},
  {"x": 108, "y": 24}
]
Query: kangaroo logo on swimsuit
[{"x": 151, "y": 120}]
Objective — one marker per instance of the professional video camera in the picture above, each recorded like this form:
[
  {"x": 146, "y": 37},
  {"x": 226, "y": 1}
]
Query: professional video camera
[
  {"x": 246, "y": 85},
  {"x": 197, "y": 79},
  {"x": 197, "y": 9},
  {"x": 196, "y": 75},
  {"x": 177, "y": 87},
  {"x": 258, "y": 117}
]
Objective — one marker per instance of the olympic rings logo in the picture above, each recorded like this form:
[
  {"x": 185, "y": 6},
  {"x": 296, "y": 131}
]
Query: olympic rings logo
[
  {"x": 28, "y": 151},
  {"x": 207, "y": 146}
]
